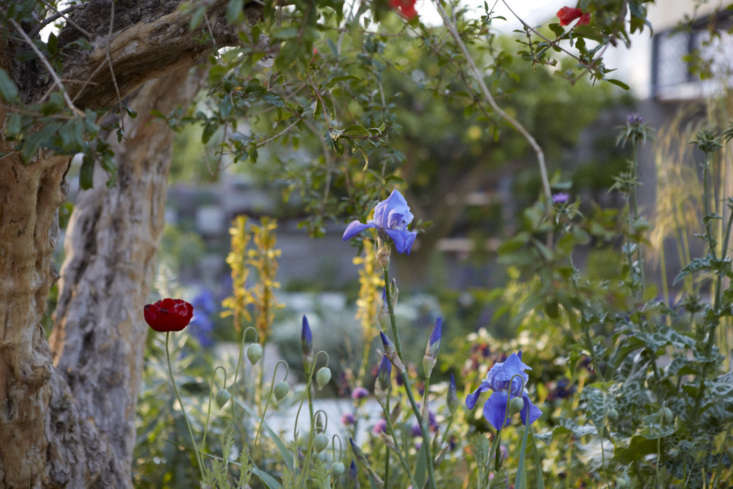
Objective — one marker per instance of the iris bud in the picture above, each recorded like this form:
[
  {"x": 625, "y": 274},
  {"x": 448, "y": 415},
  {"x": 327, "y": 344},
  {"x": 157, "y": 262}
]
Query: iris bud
[
  {"x": 306, "y": 338},
  {"x": 323, "y": 377},
  {"x": 320, "y": 442},
  {"x": 281, "y": 390},
  {"x": 452, "y": 398},
  {"x": 254, "y": 353},
  {"x": 222, "y": 397}
]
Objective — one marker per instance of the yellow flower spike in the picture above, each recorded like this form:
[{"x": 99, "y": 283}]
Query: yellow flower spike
[
  {"x": 236, "y": 304},
  {"x": 263, "y": 259},
  {"x": 370, "y": 285}
]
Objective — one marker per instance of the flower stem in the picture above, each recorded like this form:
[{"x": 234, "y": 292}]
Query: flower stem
[
  {"x": 400, "y": 456},
  {"x": 386, "y": 451},
  {"x": 408, "y": 384},
  {"x": 183, "y": 409}
]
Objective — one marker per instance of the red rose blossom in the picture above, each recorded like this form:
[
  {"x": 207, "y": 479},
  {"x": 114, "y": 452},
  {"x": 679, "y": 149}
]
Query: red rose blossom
[
  {"x": 406, "y": 8},
  {"x": 168, "y": 315},
  {"x": 569, "y": 14}
]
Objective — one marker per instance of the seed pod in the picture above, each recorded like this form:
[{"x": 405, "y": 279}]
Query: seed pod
[
  {"x": 222, "y": 397},
  {"x": 254, "y": 353},
  {"x": 281, "y": 390},
  {"x": 516, "y": 405},
  {"x": 612, "y": 414},
  {"x": 323, "y": 377},
  {"x": 338, "y": 468},
  {"x": 320, "y": 442}
]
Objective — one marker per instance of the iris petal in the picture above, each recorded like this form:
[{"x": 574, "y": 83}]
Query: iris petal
[
  {"x": 495, "y": 410},
  {"x": 403, "y": 240},
  {"x": 354, "y": 228},
  {"x": 395, "y": 203},
  {"x": 473, "y": 397}
]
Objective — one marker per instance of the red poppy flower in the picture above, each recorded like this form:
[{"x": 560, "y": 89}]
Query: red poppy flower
[
  {"x": 168, "y": 315},
  {"x": 406, "y": 8},
  {"x": 569, "y": 14}
]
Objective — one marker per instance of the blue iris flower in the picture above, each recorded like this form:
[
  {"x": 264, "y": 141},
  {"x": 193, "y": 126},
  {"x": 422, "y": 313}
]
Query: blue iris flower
[
  {"x": 202, "y": 327},
  {"x": 391, "y": 217},
  {"x": 506, "y": 379},
  {"x": 204, "y": 302}
]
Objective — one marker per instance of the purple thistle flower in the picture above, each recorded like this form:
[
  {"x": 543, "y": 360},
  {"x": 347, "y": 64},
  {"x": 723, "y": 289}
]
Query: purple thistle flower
[
  {"x": 391, "y": 218},
  {"x": 634, "y": 119},
  {"x": 560, "y": 198},
  {"x": 380, "y": 427},
  {"x": 359, "y": 393},
  {"x": 306, "y": 337}
]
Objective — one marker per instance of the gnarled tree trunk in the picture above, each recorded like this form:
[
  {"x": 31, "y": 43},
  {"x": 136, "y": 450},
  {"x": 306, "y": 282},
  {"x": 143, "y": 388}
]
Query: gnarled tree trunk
[{"x": 67, "y": 416}]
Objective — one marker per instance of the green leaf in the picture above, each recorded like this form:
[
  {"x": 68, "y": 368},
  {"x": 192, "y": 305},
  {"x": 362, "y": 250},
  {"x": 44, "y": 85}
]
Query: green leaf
[
  {"x": 557, "y": 29},
  {"x": 637, "y": 449},
  {"x": 234, "y": 8},
  {"x": 284, "y": 452},
  {"x": 286, "y": 33},
  {"x": 521, "y": 480},
  {"x": 421, "y": 468},
  {"x": 197, "y": 17},
  {"x": 86, "y": 173},
  {"x": 53, "y": 44},
  {"x": 8, "y": 90},
  {"x": 538, "y": 463},
  {"x": 618, "y": 83},
  {"x": 269, "y": 480},
  {"x": 13, "y": 125},
  {"x": 209, "y": 130}
]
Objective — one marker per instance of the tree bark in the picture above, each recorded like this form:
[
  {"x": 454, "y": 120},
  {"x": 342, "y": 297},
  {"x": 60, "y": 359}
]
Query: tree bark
[
  {"x": 110, "y": 247},
  {"x": 72, "y": 425}
]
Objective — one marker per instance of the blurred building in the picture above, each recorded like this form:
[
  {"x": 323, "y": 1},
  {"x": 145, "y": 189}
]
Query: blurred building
[{"x": 656, "y": 65}]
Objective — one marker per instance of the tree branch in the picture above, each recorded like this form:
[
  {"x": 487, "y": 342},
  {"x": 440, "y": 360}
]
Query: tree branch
[
  {"x": 48, "y": 66},
  {"x": 478, "y": 76}
]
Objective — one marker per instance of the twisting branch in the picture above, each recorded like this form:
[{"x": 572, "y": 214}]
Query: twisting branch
[
  {"x": 490, "y": 99},
  {"x": 63, "y": 13},
  {"x": 57, "y": 15},
  {"x": 109, "y": 60},
  {"x": 48, "y": 66}
]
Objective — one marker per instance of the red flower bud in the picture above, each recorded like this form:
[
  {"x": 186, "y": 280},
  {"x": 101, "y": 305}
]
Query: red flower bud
[
  {"x": 168, "y": 315},
  {"x": 569, "y": 14},
  {"x": 584, "y": 19},
  {"x": 406, "y": 8}
]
